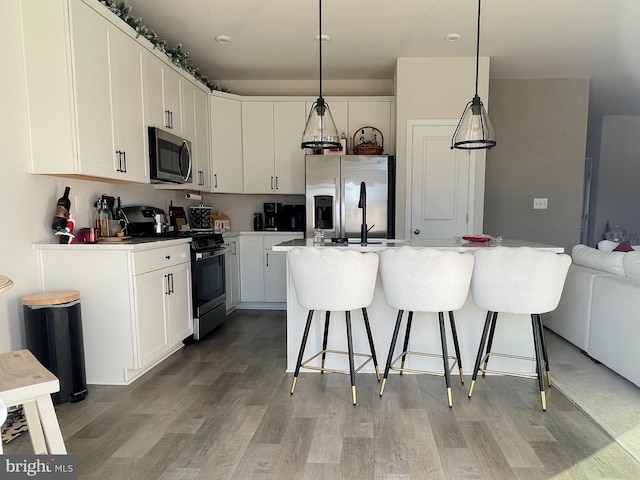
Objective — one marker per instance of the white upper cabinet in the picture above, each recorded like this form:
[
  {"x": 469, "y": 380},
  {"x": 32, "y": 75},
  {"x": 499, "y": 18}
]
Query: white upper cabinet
[
  {"x": 288, "y": 124},
  {"x": 202, "y": 140},
  {"x": 226, "y": 145},
  {"x": 272, "y": 157},
  {"x": 164, "y": 96},
  {"x": 258, "y": 147},
  {"x": 84, "y": 86}
]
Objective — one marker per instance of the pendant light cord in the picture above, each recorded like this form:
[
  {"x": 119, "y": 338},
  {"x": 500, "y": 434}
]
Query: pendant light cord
[
  {"x": 478, "y": 49},
  {"x": 320, "y": 41}
]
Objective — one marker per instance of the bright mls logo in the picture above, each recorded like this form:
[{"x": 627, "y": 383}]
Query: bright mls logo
[{"x": 51, "y": 467}]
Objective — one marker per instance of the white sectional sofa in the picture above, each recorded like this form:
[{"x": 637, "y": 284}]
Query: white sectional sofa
[{"x": 599, "y": 311}]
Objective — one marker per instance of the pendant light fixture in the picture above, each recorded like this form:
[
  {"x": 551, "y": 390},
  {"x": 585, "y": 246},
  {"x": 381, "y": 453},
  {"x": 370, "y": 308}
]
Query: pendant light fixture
[
  {"x": 320, "y": 131},
  {"x": 474, "y": 130}
]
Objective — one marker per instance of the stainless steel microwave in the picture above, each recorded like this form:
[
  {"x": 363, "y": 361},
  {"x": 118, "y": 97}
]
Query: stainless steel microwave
[{"x": 169, "y": 156}]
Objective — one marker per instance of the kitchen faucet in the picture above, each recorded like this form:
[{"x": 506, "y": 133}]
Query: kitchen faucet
[{"x": 362, "y": 203}]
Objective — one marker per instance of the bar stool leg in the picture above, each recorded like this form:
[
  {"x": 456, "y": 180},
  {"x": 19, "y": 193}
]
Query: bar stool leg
[
  {"x": 483, "y": 340},
  {"x": 305, "y": 335},
  {"x": 365, "y": 316},
  {"x": 352, "y": 372},
  {"x": 392, "y": 347},
  {"x": 405, "y": 346},
  {"x": 538, "y": 350},
  {"x": 445, "y": 358},
  {"x": 324, "y": 339},
  {"x": 454, "y": 332},
  {"x": 490, "y": 342},
  {"x": 544, "y": 349}
]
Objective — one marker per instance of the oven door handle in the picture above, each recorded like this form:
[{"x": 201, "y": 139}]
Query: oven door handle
[{"x": 211, "y": 253}]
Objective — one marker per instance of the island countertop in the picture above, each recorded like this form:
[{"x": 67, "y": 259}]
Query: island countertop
[{"x": 376, "y": 244}]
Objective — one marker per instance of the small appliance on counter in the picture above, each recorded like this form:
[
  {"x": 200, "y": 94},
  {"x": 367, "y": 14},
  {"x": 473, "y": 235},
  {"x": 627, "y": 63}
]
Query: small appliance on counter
[
  {"x": 200, "y": 217},
  {"x": 272, "y": 215},
  {"x": 292, "y": 218},
  {"x": 258, "y": 221},
  {"x": 144, "y": 220}
]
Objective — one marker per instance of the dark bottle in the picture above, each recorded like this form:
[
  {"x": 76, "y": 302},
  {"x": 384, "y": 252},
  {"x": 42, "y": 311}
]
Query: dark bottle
[{"x": 62, "y": 211}]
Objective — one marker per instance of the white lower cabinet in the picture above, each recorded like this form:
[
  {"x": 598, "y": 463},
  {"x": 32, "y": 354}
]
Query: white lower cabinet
[
  {"x": 136, "y": 303},
  {"x": 232, "y": 273},
  {"x": 263, "y": 276}
]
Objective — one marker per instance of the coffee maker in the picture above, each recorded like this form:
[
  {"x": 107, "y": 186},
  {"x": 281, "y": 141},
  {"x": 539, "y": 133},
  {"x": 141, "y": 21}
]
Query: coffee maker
[{"x": 272, "y": 213}]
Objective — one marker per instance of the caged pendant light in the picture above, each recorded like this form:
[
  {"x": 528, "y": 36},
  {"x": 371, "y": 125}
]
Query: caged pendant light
[
  {"x": 474, "y": 130},
  {"x": 320, "y": 131}
]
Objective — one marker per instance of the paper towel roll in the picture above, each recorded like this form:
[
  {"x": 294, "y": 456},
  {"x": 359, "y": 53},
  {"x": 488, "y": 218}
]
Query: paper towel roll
[{"x": 193, "y": 196}]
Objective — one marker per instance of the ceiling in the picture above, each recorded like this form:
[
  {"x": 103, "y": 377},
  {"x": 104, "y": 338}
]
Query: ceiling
[{"x": 525, "y": 39}]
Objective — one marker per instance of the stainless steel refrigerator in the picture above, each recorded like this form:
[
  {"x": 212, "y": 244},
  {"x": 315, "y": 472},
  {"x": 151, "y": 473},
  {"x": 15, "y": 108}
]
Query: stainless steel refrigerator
[{"x": 333, "y": 192}]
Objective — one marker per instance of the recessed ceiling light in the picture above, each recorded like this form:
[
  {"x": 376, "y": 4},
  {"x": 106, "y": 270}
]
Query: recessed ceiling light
[
  {"x": 223, "y": 39},
  {"x": 325, "y": 38},
  {"x": 453, "y": 37}
]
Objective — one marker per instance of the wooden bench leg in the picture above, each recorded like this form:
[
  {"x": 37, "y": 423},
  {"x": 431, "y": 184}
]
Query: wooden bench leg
[
  {"x": 50, "y": 425},
  {"x": 35, "y": 428}
]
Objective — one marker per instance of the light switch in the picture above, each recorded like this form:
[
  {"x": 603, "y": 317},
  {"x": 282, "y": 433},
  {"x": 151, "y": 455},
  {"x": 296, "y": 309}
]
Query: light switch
[{"x": 539, "y": 203}]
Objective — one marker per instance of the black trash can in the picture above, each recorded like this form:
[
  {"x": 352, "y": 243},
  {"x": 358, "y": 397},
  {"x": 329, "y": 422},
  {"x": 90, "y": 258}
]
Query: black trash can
[{"x": 53, "y": 326}]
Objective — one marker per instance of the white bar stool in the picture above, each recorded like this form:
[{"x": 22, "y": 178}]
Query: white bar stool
[
  {"x": 425, "y": 280},
  {"x": 331, "y": 279},
  {"x": 517, "y": 280},
  {"x": 24, "y": 381}
]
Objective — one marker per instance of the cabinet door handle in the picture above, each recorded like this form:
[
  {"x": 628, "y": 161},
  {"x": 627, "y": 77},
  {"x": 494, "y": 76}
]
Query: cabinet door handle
[
  {"x": 215, "y": 180},
  {"x": 167, "y": 123},
  {"x": 271, "y": 183},
  {"x": 124, "y": 162},
  {"x": 267, "y": 259},
  {"x": 276, "y": 182},
  {"x": 171, "y": 282},
  {"x": 416, "y": 231},
  {"x": 167, "y": 291}
]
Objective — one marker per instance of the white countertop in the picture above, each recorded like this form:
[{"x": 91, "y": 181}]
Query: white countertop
[
  {"x": 137, "y": 244},
  {"x": 440, "y": 243}
]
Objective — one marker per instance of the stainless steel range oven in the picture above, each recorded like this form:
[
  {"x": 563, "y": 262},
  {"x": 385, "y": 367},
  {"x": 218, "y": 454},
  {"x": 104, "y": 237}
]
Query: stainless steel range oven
[{"x": 208, "y": 283}]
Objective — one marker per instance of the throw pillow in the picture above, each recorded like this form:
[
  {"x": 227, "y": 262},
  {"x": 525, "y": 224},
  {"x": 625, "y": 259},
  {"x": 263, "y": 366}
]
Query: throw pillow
[{"x": 623, "y": 247}]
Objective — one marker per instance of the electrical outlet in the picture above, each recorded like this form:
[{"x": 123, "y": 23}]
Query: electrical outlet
[
  {"x": 539, "y": 203},
  {"x": 79, "y": 204}
]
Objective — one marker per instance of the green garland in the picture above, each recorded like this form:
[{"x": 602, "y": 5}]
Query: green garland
[{"x": 177, "y": 56}]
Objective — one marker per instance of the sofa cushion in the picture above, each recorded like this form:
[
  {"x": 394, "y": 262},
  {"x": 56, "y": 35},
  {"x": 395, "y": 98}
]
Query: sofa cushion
[
  {"x": 607, "y": 245},
  {"x": 590, "y": 257},
  {"x": 631, "y": 264}
]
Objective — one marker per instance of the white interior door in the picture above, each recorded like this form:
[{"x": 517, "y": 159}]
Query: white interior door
[{"x": 441, "y": 186}]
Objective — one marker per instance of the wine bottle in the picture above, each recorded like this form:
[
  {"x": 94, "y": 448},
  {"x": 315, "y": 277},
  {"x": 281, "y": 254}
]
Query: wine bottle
[{"x": 62, "y": 211}]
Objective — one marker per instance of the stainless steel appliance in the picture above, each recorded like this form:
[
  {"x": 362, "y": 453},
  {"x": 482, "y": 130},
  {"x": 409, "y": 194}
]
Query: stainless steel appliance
[
  {"x": 333, "y": 195},
  {"x": 272, "y": 214},
  {"x": 142, "y": 219},
  {"x": 208, "y": 252},
  {"x": 169, "y": 157},
  {"x": 208, "y": 282}
]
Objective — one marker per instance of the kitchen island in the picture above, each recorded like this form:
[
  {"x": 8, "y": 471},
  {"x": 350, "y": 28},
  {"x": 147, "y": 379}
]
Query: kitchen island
[{"x": 512, "y": 337}]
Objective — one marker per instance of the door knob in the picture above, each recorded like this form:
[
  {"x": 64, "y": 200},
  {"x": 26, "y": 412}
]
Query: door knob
[{"x": 416, "y": 231}]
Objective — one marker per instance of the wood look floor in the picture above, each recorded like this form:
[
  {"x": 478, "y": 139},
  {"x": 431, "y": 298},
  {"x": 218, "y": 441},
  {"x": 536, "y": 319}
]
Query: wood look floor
[{"x": 221, "y": 409}]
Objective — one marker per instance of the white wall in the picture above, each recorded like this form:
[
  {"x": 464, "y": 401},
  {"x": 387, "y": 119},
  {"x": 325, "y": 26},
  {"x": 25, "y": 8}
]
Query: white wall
[
  {"x": 619, "y": 175},
  {"x": 433, "y": 88}
]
